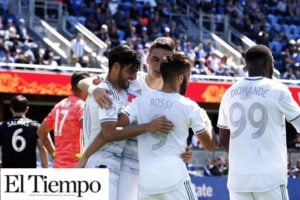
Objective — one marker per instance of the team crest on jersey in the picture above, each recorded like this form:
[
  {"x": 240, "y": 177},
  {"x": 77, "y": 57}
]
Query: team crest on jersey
[{"x": 111, "y": 111}]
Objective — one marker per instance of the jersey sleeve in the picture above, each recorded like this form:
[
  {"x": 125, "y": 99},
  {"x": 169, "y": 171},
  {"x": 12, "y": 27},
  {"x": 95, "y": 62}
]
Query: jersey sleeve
[
  {"x": 198, "y": 117},
  {"x": 222, "y": 120}
]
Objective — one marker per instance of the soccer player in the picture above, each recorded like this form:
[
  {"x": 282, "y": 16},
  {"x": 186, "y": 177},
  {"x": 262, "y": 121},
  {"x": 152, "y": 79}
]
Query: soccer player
[
  {"x": 19, "y": 139},
  {"x": 65, "y": 119},
  {"x": 123, "y": 65},
  {"x": 145, "y": 82},
  {"x": 252, "y": 130},
  {"x": 163, "y": 175}
]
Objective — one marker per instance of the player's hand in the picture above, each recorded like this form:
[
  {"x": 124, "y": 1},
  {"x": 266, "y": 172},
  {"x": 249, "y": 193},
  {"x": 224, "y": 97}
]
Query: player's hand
[
  {"x": 160, "y": 124},
  {"x": 102, "y": 98},
  {"x": 187, "y": 155},
  {"x": 97, "y": 80},
  {"x": 81, "y": 163}
]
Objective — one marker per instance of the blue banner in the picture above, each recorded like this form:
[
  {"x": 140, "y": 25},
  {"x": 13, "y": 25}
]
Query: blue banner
[{"x": 214, "y": 188}]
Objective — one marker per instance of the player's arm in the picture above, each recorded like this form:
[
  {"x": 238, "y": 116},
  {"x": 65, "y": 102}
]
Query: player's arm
[
  {"x": 208, "y": 137},
  {"x": 43, "y": 154},
  {"x": 89, "y": 85},
  {"x": 207, "y": 140},
  {"x": 224, "y": 138},
  {"x": 160, "y": 124},
  {"x": 44, "y": 136},
  {"x": 110, "y": 133}
]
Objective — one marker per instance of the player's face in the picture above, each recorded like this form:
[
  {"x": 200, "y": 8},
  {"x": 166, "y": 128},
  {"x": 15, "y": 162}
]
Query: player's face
[
  {"x": 154, "y": 59},
  {"x": 126, "y": 75}
]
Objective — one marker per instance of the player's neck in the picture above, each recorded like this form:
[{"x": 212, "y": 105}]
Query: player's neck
[
  {"x": 154, "y": 83},
  {"x": 18, "y": 115},
  {"x": 169, "y": 88},
  {"x": 114, "y": 84}
]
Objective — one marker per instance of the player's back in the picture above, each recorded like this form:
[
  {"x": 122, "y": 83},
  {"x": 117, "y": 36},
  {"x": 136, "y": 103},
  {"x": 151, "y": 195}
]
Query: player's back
[
  {"x": 18, "y": 138},
  {"x": 65, "y": 118},
  {"x": 159, "y": 152},
  {"x": 254, "y": 110}
]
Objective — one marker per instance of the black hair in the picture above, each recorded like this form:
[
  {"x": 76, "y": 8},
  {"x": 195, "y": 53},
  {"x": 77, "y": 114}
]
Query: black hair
[
  {"x": 76, "y": 77},
  {"x": 173, "y": 65},
  {"x": 124, "y": 55},
  {"x": 19, "y": 103},
  {"x": 257, "y": 58}
]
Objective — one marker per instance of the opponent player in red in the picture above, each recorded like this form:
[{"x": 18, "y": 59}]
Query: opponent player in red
[{"x": 65, "y": 119}]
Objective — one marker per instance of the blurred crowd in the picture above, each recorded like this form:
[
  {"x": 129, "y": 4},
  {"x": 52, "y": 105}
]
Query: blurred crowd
[
  {"x": 138, "y": 22},
  {"x": 219, "y": 166}
]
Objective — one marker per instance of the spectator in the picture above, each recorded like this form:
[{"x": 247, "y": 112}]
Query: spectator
[
  {"x": 263, "y": 37},
  {"x": 103, "y": 35},
  {"x": 213, "y": 61},
  {"x": 11, "y": 33},
  {"x": 199, "y": 51},
  {"x": 207, "y": 168},
  {"x": 200, "y": 67},
  {"x": 289, "y": 74},
  {"x": 29, "y": 54},
  {"x": 78, "y": 47},
  {"x": 9, "y": 15},
  {"x": 8, "y": 59},
  {"x": 189, "y": 51},
  {"x": 114, "y": 36},
  {"x": 91, "y": 23},
  {"x": 217, "y": 168},
  {"x": 22, "y": 31},
  {"x": 223, "y": 69}
]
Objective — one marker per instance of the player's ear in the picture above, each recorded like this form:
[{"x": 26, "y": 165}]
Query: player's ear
[
  {"x": 27, "y": 109},
  {"x": 180, "y": 78},
  {"x": 116, "y": 67}
]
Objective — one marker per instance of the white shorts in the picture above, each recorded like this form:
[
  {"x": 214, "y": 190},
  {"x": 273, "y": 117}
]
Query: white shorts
[
  {"x": 185, "y": 192},
  {"x": 128, "y": 182},
  {"x": 278, "y": 193},
  {"x": 114, "y": 177}
]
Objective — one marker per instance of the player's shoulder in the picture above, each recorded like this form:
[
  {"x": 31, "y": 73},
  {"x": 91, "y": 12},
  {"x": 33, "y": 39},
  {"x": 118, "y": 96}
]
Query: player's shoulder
[
  {"x": 32, "y": 122},
  {"x": 188, "y": 101}
]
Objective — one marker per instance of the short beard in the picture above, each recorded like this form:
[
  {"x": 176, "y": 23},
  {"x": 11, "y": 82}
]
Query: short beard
[{"x": 183, "y": 86}]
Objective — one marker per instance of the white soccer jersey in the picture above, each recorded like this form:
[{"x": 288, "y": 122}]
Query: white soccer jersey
[
  {"x": 130, "y": 153},
  {"x": 255, "y": 109},
  {"x": 110, "y": 154},
  {"x": 160, "y": 167}
]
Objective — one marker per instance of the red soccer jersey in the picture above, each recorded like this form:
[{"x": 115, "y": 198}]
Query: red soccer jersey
[{"x": 64, "y": 119}]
